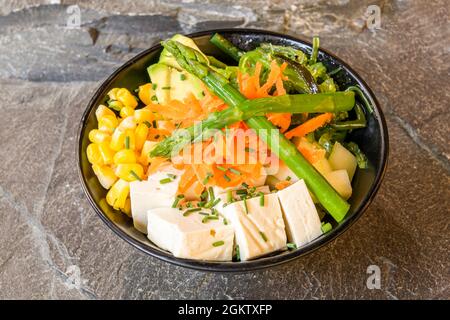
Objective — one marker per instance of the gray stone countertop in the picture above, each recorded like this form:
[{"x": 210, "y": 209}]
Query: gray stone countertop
[{"x": 53, "y": 245}]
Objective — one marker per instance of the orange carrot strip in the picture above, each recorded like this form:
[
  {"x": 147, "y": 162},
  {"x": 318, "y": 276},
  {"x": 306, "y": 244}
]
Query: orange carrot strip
[{"x": 310, "y": 125}]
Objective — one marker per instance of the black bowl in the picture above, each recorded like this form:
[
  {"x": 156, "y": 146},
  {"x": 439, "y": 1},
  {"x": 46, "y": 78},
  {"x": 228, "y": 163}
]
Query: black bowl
[{"x": 373, "y": 140}]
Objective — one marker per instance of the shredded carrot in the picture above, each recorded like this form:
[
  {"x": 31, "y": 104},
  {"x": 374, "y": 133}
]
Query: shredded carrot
[
  {"x": 282, "y": 184},
  {"x": 187, "y": 179},
  {"x": 310, "y": 125},
  {"x": 155, "y": 164}
]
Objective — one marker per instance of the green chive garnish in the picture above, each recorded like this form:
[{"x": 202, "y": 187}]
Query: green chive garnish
[
  {"x": 291, "y": 246},
  {"x": 189, "y": 211},
  {"x": 201, "y": 203},
  {"x": 226, "y": 177},
  {"x": 148, "y": 124},
  {"x": 229, "y": 196},
  {"x": 326, "y": 227},
  {"x": 288, "y": 178},
  {"x": 211, "y": 193},
  {"x": 154, "y": 123},
  {"x": 154, "y": 98},
  {"x": 189, "y": 204},
  {"x": 165, "y": 180},
  {"x": 204, "y": 195},
  {"x": 236, "y": 172},
  {"x": 154, "y": 86},
  {"x": 165, "y": 88},
  {"x": 204, "y": 213},
  {"x": 247, "y": 149},
  {"x": 208, "y": 176},
  {"x": 245, "y": 206},
  {"x": 244, "y": 185},
  {"x": 225, "y": 221},
  {"x": 207, "y": 218},
  {"x": 222, "y": 168},
  {"x": 127, "y": 142},
  {"x": 177, "y": 200},
  {"x": 172, "y": 176},
  {"x": 134, "y": 174},
  {"x": 261, "y": 199},
  {"x": 182, "y": 77},
  {"x": 218, "y": 243},
  {"x": 263, "y": 236},
  {"x": 241, "y": 191},
  {"x": 212, "y": 203}
]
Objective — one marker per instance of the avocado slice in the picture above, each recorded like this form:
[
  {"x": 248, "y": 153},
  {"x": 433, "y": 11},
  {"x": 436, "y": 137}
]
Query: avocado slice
[
  {"x": 167, "y": 58},
  {"x": 160, "y": 77},
  {"x": 182, "y": 83}
]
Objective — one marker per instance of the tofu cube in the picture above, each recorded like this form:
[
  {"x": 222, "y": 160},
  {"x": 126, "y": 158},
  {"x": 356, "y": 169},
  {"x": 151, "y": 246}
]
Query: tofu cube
[
  {"x": 300, "y": 214},
  {"x": 259, "y": 230},
  {"x": 188, "y": 237},
  {"x": 145, "y": 195}
]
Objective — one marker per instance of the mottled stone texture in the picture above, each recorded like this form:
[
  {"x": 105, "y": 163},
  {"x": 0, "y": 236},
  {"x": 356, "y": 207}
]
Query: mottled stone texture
[{"x": 49, "y": 72}]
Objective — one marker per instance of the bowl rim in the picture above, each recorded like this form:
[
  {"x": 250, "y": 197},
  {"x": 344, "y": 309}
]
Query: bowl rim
[{"x": 264, "y": 262}]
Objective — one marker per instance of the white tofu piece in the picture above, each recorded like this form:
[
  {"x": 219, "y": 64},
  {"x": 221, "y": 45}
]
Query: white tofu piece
[
  {"x": 261, "y": 230},
  {"x": 188, "y": 237},
  {"x": 300, "y": 214},
  {"x": 284, "y": 172},
  {"x": 145, "y": 195},
  {"x": 223, "y": 197}
]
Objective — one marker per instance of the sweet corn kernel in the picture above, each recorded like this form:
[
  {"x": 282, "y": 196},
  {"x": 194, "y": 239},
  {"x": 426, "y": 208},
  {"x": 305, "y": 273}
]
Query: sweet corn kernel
[
  {"x": 128, "y": 123},
  {"x": 118, "y": 194},
  {"x": 146, "y": 93},
  {"x": 93, "y": 154},
  {"x": 115, "y": 104},
  {"x": 126, "y": 112},
  {"x": 108, "y": 123},
  {"x": 125, "y": 156},
  {"x": 144, "y": 115},
  {"x": 106, "y": 152},
  {"x": 127, "y": 99},
  {"x": 141, "y": 135},
  {"x": 117, "y": 140},
  {"x": 105, "y": 175},
  {"x": 103, "y": 111},
  {"x": 98, "y": 136},
  {"x": 129, "y": 171},
  {"x": 112, "y": 94},
  {"x": 127, "y": 208}
]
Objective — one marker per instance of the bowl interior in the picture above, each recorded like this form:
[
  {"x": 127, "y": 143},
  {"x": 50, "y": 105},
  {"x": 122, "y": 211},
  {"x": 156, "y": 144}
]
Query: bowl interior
[{"x": 372, "y": 140}]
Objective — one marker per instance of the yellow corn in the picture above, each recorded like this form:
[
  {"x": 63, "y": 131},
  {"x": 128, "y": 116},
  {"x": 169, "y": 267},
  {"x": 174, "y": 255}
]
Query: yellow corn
[
  {"x": 112, "y": 94},
  {"x": 128, "y": 123},
  {"x": 127, "y": 99},
  {"x": 144, "y": 115},
  {"x": 118, "y": 194},
  {"x": 144, "y": 159},
  {"x": 126, "y": 112},
  {"x": 125, "y": 156},
  {"x": 117, "y": 140},
  {"x": 105, "y": 175},
  {"x": 98, "y": 136},
  {"x": 106, "y": 152},
  {"x": 146, "y": 93},
  {"x": 103, "y": 111},
  {"x": 129, "y": 171},
  {"x": 127, "y": 208},
  {"x": 93, "y": 154},
  {"x": 108, "y": 123},
  {"x": 141, "y": 135}
]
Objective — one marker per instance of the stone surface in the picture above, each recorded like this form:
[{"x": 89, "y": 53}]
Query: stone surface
[{"x": 49, "y": 234}]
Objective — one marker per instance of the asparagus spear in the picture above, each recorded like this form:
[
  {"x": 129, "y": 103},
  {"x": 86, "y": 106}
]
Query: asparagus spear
[
  {"x": 193, "y": 62},
  {"x": 299, "y": 103},
  {"x": 226, "y": 46}
]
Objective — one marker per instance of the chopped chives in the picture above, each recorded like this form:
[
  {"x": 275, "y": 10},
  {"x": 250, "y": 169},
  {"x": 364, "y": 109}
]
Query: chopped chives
[
  {"x": 212, "y": 203},
  {"x": 165, "y": 180},
  {"x": 326, "y": 227},
  {"x": 222, "y": 168},
  {"x": 208, "y": 176},
  {"x": 189, "y": 204},
  {"x": 245, "y": 206},
  {"x": 204, "y": 195},
  {"x": 208, "y": 217},
  {"x": 218, "y": 243},
  {"x": 127, "y": 142},
  {"x": 189, "y": 211},
  {"x": 227, "y": 178},
  {"x": 244, "y": 185},
  {"x": 225, "y": 221},
  {"x": 201, "y": 203},
  {"x": 134, "y": 174},
  {"x": 172, "y": 176},
  {"x": 291, "y": 246},
  {"x": 154, "y": 86},
  {"x": 247, "y": 149},
  {"x": 211, "y": 193},
  {"x": 182, "y": 77},
  {"x": 252, "y": 190},
  {"x": 263, "y": 235},
  {"x": 204, "y": 213},
  {"x": 148, "y": 124},
  {"x": 177, "y": 200},
  {"x": 154, "y": 98},
  {"x": 288, "y": 178},
  {"x": 261, "y": 199},
  {"x": 166, "y": 88},
  {"x": 241, "y": 191},
  {"x": 154, "y": 123},
  {"x": 236, "y": 172},
  {"x": 229, "y": 196}
]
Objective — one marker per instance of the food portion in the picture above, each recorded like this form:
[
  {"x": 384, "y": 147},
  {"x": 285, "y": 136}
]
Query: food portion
[{"x": 234, "y": 162}]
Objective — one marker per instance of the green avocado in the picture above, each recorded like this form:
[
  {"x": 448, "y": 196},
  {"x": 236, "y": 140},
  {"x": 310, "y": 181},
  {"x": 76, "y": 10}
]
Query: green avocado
[
  {"x": 160, "y": 77},
  {"x": 183, "y": 83}
]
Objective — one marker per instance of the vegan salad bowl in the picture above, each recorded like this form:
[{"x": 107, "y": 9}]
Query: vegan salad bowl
[{"x": 232, "y": 150}]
